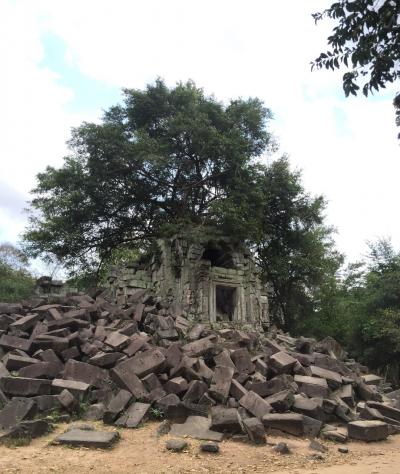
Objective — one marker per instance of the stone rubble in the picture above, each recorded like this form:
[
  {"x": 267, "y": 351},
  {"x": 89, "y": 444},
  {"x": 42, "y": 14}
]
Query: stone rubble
[{"x": 83, "y": 355}]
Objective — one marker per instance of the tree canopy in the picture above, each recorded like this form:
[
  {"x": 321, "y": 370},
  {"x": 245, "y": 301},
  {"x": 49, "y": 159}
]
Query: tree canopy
[
  {"x": 366, "y": 39},
  {"x": 166, "y": 155}
]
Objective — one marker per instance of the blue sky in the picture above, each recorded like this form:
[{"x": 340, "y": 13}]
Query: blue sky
[{"x": 67, "y": 61}]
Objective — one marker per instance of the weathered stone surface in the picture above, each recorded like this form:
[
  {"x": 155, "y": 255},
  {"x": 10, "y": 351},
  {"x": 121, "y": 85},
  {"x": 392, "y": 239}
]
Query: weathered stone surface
[
  {"x": 170, "y": 406},
  {"x": 25, "y": 387},
  {"x": 281, "y": 362},
  {"x": 221, "y": 383},
  {"x": 225, "y": 420},
  {"x": 197, "y": 427},
  {"x": 16, "y": 410},
  {"x": 372, "y": 379},
  {"x": 237, "y": 390},
  {"x": 95, "y": 412},
  {"x": 311, "y": 407},
  {"x": 196, "y": 390},
  {"x": 176, "y": 385},
  {"x": 116, "y": 405},
  {"x": 78, "y": 389},
  {"x": 83, "y": 372},
  {"x": 346, "y": 393},
  {"x": 282, "y": 448},
  {"x": 12, "y": 342},
  {"x": 291, "y": 423},
  {"x": 67, "y": 400},
  {"x": 40, "y": 370},
  {"x": 25, "y": 322},
  {"x": 276, "y": 384},
  {"x": 134, "y": 415},
  {"x": 254, "y": 404},
  {"x": 88, "y": 439},
  {"x": 281, "y": 401},
  {"x": 105, "y": 359},
  {"x": 46, "y": 402},
  {"x": 176, "y": 445},
  {"x": 255, "y": 430},
  {"x": 16, "y": 362},
  {"x": 209, "y": 447},
  {"x": 311, "y": 427},
  {"x": 195, "y": 332},
  {"x": 123, "y": 375},
  {"x": 312, "y": 386},
  {"x": 199, "y": 347},
  {"x": 333, "y": 379},
  {"x": 224, "y": 358},
  {"x": 386, "y": 410},
  {"x": 143, "y": 363},
  {"x": 117, "y": 341},
  {"x": 368, "y": 430},
  {"x": 242, "y": 360},
  {"x": 334, "y": 435}
]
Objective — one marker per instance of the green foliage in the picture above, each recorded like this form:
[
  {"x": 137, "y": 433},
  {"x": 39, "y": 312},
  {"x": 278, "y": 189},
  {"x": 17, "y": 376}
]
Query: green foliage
[
  {"x": 16, "y": 282},
  {"x": 366, "y": 40},
  {"x": 163, "y": 157},
  {"x": 294, "y": 247}
]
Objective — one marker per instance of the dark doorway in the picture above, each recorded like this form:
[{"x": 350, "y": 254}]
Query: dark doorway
[{"x": 225, "y": 303}]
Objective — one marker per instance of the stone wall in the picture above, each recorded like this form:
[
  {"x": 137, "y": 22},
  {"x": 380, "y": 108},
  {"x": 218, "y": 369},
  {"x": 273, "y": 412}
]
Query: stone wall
[{"x": 186, "y": 274}]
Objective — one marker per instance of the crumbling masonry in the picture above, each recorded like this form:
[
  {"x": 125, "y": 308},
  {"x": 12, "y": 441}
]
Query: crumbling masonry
[{"x": 209, "y": 281}]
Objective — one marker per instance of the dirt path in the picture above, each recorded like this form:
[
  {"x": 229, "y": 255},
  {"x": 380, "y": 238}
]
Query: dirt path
[{"x": 140, "y": 451}]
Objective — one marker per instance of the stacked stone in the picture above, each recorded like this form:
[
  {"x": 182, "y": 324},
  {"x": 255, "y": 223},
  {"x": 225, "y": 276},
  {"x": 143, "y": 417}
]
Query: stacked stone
[{"x": 121, "y": 364}]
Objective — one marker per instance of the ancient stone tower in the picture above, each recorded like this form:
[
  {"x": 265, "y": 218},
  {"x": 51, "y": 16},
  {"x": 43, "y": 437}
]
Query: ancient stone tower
[{"x": 210, "y": 280}]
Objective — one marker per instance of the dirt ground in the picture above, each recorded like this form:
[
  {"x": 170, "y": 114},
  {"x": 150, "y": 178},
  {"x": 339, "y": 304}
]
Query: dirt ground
[{"x": 140, "y": 451}]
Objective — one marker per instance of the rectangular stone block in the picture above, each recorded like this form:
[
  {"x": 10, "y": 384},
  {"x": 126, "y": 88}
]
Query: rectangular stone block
[
  {"x": 281, "y": 362},
  {"x": 312, "y": 386},
  {"x": 78, "y": 389},
  {"x": 25, "y": 387},
  {"x": 333, "y": 379},
  {"x": 117, "y": 404},
  {"x": 10, "y": 343},
  {"x": 123, "y": 375},
  {"x": 291, "y": 423},
  {"x": 135, "y": 415},
  {"x": 254, "y": 404},
  {"x": 368, "y": 430},
  {"x": 221, "y": 383}
]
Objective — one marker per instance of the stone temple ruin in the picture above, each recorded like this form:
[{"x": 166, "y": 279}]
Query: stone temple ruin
[{"x": 207, "y": 280}]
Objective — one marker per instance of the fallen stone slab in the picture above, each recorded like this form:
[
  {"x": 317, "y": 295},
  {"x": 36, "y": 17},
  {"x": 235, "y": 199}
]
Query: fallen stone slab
[
  {"x": 368, "y": 430},
  {"x": 135, "y": 415},
  {"x": 281, "y": 401},
  {"x": 10, "y": 343},
  {"x": 40, "y": 370},
  {"x": 124, "y": 377},
  {"x": 291, "y": 423},
  {"x": 254, "y": 404},
  {"x": 333, "y": 379},
  {"x": 242, "y": 360},
  {"x": 25, "y": 387},
  {"x": 117, "y": 341},
  {"x": 225, "y": 420},
  {"x": 312, "y": 386},
  {"x": 83, "y": 372},
  {"x": 197, "y": 427},
  {"x": 281, "y": 362},
  {"x": 144, "y": 363},
  {"x": 88, "y": 439},
  {"x": 386, "y": 410},
  {"x": 221, "y": 383},
  {"x": 25, "y": 322},
  {"x": 372, "y": 379},
  {"x": 105, "y": 359},
  {"x": 196, "y": 390},
  {"x": 255, "y": 430},
  {"x": 78, "y": 389},
  {"x": 16, "y": 362},
  {"x": 16, "y": 410},
  {"x": 116, "y": 405},
  {"x": 199, "y": 347}
]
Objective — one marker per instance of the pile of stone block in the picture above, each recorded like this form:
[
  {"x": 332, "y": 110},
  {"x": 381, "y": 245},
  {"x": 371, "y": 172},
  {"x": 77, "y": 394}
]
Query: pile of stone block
[{"x": 85, "y": 356}]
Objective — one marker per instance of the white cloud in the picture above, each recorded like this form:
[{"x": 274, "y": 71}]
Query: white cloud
[{"x": 347, "y": 148}]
